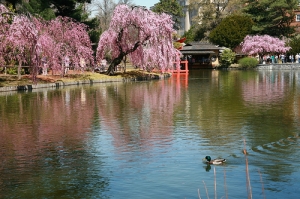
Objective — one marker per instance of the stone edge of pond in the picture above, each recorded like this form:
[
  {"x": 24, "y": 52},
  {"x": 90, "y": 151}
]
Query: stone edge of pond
[
  {"x": 279, "y": 66},
  {"x": 61, "y": 84},
  {"x": 285, "y": 66}
]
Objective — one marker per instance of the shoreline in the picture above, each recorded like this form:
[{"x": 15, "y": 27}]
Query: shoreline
[
  {"x": 127, "y": 77},
  {"x": 60, "y": 83}
]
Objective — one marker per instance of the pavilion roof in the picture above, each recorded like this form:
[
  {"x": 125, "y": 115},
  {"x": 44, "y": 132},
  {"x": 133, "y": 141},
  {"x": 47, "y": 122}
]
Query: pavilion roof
[{"x": 200, "y": 46}]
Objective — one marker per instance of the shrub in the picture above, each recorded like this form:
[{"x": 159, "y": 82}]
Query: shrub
[
  {"x": 248, "y": 62},
  {"x": 227, "y": 58},
  {"x": 14, "y": 71}
]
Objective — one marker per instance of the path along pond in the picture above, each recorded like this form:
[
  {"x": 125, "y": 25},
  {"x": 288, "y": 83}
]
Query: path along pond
[{"x": 148, "y": 139}]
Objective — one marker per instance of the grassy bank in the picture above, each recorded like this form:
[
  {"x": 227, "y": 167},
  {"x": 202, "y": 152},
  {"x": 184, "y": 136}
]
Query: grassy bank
[{"x": 131, "y": 75}]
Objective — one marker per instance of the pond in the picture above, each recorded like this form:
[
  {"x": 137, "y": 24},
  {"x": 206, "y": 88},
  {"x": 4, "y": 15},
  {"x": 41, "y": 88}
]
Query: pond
[{"x": 148, "y": 139}]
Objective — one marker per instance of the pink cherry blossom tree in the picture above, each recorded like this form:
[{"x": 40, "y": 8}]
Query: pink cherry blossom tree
[
  {"x": 23, "y": 40},
  {"x": 262, "y": 45},
  {"x": 69, "y": 40},
  {"x": 30, "y": 39},
  {"x": 146, "y": 37}
]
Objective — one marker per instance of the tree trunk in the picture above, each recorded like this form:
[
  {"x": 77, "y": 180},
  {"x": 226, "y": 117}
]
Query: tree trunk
[
  {"x": 124, "y": 62},
  {"x": 19, "y": 70},
  {"x": 114, "y": 64}
]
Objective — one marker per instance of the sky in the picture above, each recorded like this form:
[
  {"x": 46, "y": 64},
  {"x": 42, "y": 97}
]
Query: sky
[{"x": 147, "y": 3}]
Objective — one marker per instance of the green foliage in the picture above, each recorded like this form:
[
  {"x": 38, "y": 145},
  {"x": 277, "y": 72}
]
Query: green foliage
[
  {"x": 231, "y": 31},
  {"x": 189, "y": 35},
  {"x": 94, "y": 31},
  {"x": 38, "y": 8},
  {"x": 209, "y": 16},
  {"x": 194, "y": 34},
  {"x": 13, "y": 3},
  {"x": 14, "y": 71},
  {"x": 68, "y": 8},
  {"x": 227, "y": 58},
  {"x": 248, "y": 62},
  {"x": 294, "y": 43},
  {"x": 177, "y": 45},
  {"x": 211, "y": 13},
  {"x": 49, "y": 9},
  {"x": 170, "y": 7},
  {"x": 94, "y": 36},
  {"x": 272, "y": 17}
]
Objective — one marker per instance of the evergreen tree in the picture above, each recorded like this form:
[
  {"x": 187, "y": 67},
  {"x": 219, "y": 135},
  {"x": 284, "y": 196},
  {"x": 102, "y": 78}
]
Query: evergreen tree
[
  {"x": 231, "y": 31},
  {"x": 48, "y": 9},
  {"x": 39, "y": 8},
  {"x": 195, "y": 33},
  {"x": 272, "y": 17},
  {"x": 68, "y": 8}
]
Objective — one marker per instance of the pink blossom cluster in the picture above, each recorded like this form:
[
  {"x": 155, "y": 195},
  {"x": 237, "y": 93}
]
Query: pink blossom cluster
[
  {"x": 145, "y": 36},
  {"x": 263, "y": 44},
  {"x": 70, "y": 39},
  {"x": 28, "y": 40}
]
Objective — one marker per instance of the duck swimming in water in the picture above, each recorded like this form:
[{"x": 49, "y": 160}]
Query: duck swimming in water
[{"x": 215, "y": 161}]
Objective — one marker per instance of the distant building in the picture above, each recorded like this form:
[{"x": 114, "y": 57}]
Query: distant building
[
  {"x": 201, "y": 55},
  {"x": 296, "y": 22},
  {"x": 190, "y": 13}
]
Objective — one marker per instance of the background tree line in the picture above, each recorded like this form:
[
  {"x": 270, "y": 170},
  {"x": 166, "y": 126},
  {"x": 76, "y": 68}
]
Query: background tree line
[
  {"x": 222, "y": 22},
  {"x": 227, "y": 22}
]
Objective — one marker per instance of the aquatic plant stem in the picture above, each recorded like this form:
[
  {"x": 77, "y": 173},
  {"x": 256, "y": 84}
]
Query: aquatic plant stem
[
  {"x": 225, "y": 185},
  {"x": 249, "y": 191},
  {"x": 206, "y": 190},
  {"x": 199, "y": 194},
  {"x": 262, "y": 184},
  {"x": 215, "y": 179}
]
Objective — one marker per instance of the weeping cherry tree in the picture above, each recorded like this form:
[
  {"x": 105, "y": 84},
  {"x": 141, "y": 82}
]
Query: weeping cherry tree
[
  {"x": 30, "y": 39},
  {"x": 146, "y": 37},
  {"x": 262, "y": 45},
  {"x": 23, "y": 39},
  {"x": 67, "y": 38}
]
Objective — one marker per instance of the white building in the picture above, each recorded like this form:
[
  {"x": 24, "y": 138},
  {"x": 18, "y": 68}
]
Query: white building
[{"x": 190, "y": 13}]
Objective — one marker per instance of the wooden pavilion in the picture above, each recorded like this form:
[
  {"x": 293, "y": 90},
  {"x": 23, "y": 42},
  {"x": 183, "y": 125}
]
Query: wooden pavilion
[{"x": 201, "y": 55}]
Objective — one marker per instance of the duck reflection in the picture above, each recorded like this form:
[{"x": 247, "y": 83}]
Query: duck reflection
[{"x": 207, "y": 167}]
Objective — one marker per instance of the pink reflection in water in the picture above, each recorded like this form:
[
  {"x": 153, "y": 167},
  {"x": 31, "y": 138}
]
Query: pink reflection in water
[{"x": 263, "y": 90}]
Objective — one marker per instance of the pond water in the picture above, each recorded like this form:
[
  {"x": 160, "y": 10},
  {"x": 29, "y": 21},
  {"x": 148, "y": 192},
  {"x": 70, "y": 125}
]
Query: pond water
[{"x": 148, "y": 139}]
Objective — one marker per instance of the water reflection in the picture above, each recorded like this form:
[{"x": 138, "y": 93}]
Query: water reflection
[
  {"x": 42, "y": 137},
  {"x": 133, "y": 116},
  {"x": 207, "y": 168},
  {"x": 104, "y": 140},
  {"x": 265, "y": 88},
  {"x": 256, "y": 106}
]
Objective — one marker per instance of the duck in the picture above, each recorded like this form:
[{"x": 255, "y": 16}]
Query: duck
[{"x": 208, "y": 160}]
